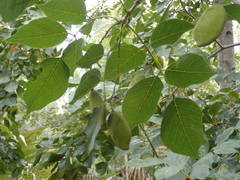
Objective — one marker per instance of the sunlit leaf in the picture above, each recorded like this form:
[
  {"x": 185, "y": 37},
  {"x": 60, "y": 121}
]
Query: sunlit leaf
[
  {"x": 50, "y": 84},
  {"x": 93, "y": 54},
  {"x": 68, "y": 11},
  {"x": 123, "y": 60},
  {"x": 182, "y": 128},
  {"x": 141, "y": 100},
  {"x": 72, "y": 54},
  {"x": 11, "y": 9},
  {"x": 40, "y": 33},
  {"x": 169, "y": 31},
  {"x": 89, "y": 80},
  {"x": 189, "y": 69}
]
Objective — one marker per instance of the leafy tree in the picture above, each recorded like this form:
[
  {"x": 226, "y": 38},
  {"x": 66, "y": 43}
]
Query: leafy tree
[{"x": 76, "y": 85}]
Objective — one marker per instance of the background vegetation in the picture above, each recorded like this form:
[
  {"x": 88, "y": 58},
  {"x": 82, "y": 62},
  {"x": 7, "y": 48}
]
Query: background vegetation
[{"x": 181, "y": 104}]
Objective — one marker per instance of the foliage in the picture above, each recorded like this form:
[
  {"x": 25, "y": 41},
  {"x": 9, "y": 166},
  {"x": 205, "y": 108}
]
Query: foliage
[{"x": 141, "y": 60}]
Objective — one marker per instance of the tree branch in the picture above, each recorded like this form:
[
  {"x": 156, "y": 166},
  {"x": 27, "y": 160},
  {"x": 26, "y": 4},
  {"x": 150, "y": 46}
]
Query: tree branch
[
  {"x": 223, "y": 48},
  {"x": 108, "y": 31},
  {"x": 129, "y": 13},
  {"x": 146, "y": 47},
  {"x": 185, "y": 10},
  {"x": 125, "y": 19},
  {"x": 149, "y": 140}
]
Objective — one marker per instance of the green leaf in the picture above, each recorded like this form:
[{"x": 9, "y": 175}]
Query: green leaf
[
  {"x": 189, "y": 69},
  {"x": 40, "y": 33},
  {"x": 141, "y": 100},
  {"x": 11, "y": 9},
  {"x": 169, "y": 31},
  {"x": 72, "y": 54},
  {"x": 228, "y": 147},
  {"x": 88, "y": 81},
  {"x": 94, "y": 126},
  {"x": 224, "y": 135},
  {"x": 182, "y": 128},
  {"x": 87, "y": 28},
  {"x": 68, "y": 11},
  {"x": 93, "y": 55},
  {"x": 233, "y": 11},
  {"x": 201, "y": 169},
  {"x": 123, "y": 60},
  {"x": 175, "y": 163},
  {"x": 50, "y": 84},
  {"x": 101, "y": 168}
]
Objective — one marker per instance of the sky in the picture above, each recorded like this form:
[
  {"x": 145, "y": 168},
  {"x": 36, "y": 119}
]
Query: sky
[{"x": 90, "y": 3}]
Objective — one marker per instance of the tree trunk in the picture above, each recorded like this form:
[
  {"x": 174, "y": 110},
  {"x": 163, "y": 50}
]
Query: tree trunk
[{"x": 226, "y": 57}]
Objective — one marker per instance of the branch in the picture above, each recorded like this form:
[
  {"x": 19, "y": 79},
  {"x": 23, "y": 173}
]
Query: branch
[
  {"x": 185, "y": 10},
  {"x": 129, "y": 13},
  {"x": 146, "y": 47},
  {"x": 125, "y": 19},
  {"x": 108, "y": 31},
  {"x": 150, "y": 142},
  {"x": 223, "y": 48}
]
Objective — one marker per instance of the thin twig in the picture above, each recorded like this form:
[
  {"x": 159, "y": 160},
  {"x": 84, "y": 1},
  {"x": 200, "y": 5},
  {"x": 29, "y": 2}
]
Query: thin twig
[
  {"x": 185, "y": 10},
  {"x": 219, "y": 44},
  {"x": 146, "y": 47},
  {"x": 150, "y": 142},
  {"x": 223, "y": 48},
  {"x": 108, "y": 31},
  {"x": 126, "y": 19}
]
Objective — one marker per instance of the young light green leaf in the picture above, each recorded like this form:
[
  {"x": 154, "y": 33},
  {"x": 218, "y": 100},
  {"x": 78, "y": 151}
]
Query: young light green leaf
[
  {"x": 11, "y": 9},
  {"x": 68, "y": 11},
  {"x": 50, "y": 84},
  {"x": 169, "y": 31},
  {"x": 189, "y": 69},
  {"x": 89, "y": 80},
  {"x": 141, "y": 100},
  {"x": 93, "y": 55},
  {"x": 123, "y": 60},
  {"x": 87, "y": 28},
  {"x": 72, "y": 54},
  {"x": 182, "y": 128},
  {"x": 40, "y": 33}
]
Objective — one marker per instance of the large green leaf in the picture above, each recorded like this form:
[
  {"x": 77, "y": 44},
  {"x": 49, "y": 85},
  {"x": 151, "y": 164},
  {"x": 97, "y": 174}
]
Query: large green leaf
[
  {"x": 169, "y": 31},
  {"x": 94, "y": 53},
  {"x": 89, "y": 80},
  {"x": 40, "y": 33},
  {"x": 233, "y": 11},
  {"x": 68, "y": 11},
  {"x": 72, "y": 54},
  {"x": 50, "y": 84},
  {"x": 141, "y": 101},
  {"x": 11, "y": 9},
  {"x": 123, "y": 60},
  {"x": 182, "y": 128},
  {"x": 189, "y": 69}
]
